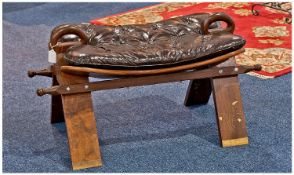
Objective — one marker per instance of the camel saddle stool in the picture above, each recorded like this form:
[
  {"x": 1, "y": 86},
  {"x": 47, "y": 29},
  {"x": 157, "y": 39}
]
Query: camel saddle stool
[{"x": 193, "y": 47}]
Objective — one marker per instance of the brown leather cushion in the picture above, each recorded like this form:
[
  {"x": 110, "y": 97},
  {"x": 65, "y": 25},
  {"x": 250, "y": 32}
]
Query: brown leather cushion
[{"x": 172, "y": 42}]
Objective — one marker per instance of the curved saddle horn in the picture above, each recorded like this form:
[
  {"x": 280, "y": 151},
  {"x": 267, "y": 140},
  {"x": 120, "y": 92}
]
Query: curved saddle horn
[{"x": 219, "y": 17}]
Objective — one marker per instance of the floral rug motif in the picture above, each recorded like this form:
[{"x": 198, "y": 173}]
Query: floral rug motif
[{"x": 268, "y": 36}]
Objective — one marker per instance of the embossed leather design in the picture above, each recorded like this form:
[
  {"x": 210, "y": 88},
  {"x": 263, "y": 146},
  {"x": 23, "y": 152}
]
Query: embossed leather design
[{"x": 180, "y": 40}]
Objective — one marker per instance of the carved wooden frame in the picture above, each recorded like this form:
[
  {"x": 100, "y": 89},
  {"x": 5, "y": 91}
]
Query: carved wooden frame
[{"x": 77, "y": 110}]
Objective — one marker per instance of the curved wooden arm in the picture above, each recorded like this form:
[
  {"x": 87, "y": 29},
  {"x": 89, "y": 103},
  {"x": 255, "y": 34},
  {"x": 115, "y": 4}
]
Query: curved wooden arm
[
  {"x": 219, "y": 17},
  {"x": 67, "y": 30}
]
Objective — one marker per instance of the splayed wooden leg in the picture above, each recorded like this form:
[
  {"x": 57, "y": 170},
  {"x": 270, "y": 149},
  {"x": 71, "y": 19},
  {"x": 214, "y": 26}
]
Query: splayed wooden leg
[
  {"x": 56, "y": 105},
  {"x": 198, "y": 92},
  {"x": 229, "y": 109}
]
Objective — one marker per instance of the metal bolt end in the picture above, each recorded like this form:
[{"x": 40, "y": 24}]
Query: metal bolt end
[
  {"x": 239, "y": 120},
  {"x": 236, "y": 69},
  {"x": 220, "y": 71},
  {"x": 86, "y": 86},
  {"x": 68, "y": 89}
]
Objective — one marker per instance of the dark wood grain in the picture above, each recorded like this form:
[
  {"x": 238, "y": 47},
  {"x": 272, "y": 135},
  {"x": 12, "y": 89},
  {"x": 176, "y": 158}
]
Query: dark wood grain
[{"x": 229, "y": 109}]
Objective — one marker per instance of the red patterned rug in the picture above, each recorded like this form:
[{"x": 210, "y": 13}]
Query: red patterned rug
[{"x": 268, "y": 35}]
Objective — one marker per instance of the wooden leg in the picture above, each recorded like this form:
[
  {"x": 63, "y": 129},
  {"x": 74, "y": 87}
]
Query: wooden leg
[
  {"x": 198, "y": 92},
  {"x": 229, "y": 109},
  {"x": 81, "y": 131},
  {"x": 56, "y": 106},
  {"x": 80, "y": 123},
  {"x": 81, "y": 128}
]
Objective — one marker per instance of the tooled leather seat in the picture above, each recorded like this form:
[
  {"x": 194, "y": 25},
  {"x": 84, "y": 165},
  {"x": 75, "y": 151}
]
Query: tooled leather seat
[{"x": 172, "y": 42}]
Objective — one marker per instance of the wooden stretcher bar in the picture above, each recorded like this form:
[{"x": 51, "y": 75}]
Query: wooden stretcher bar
[{"x": 147, "y": 80}]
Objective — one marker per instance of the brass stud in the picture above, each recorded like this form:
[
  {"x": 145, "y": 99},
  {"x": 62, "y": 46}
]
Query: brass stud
[
  {"x": 220, "y": 118},
  {"x": 220, "y": 71},
  {"x": 86, "y": 86},
  {"x": 236, "y": 69},
  {"x": 239, "y": 120},
  {"x": 68, "y": 89}
]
